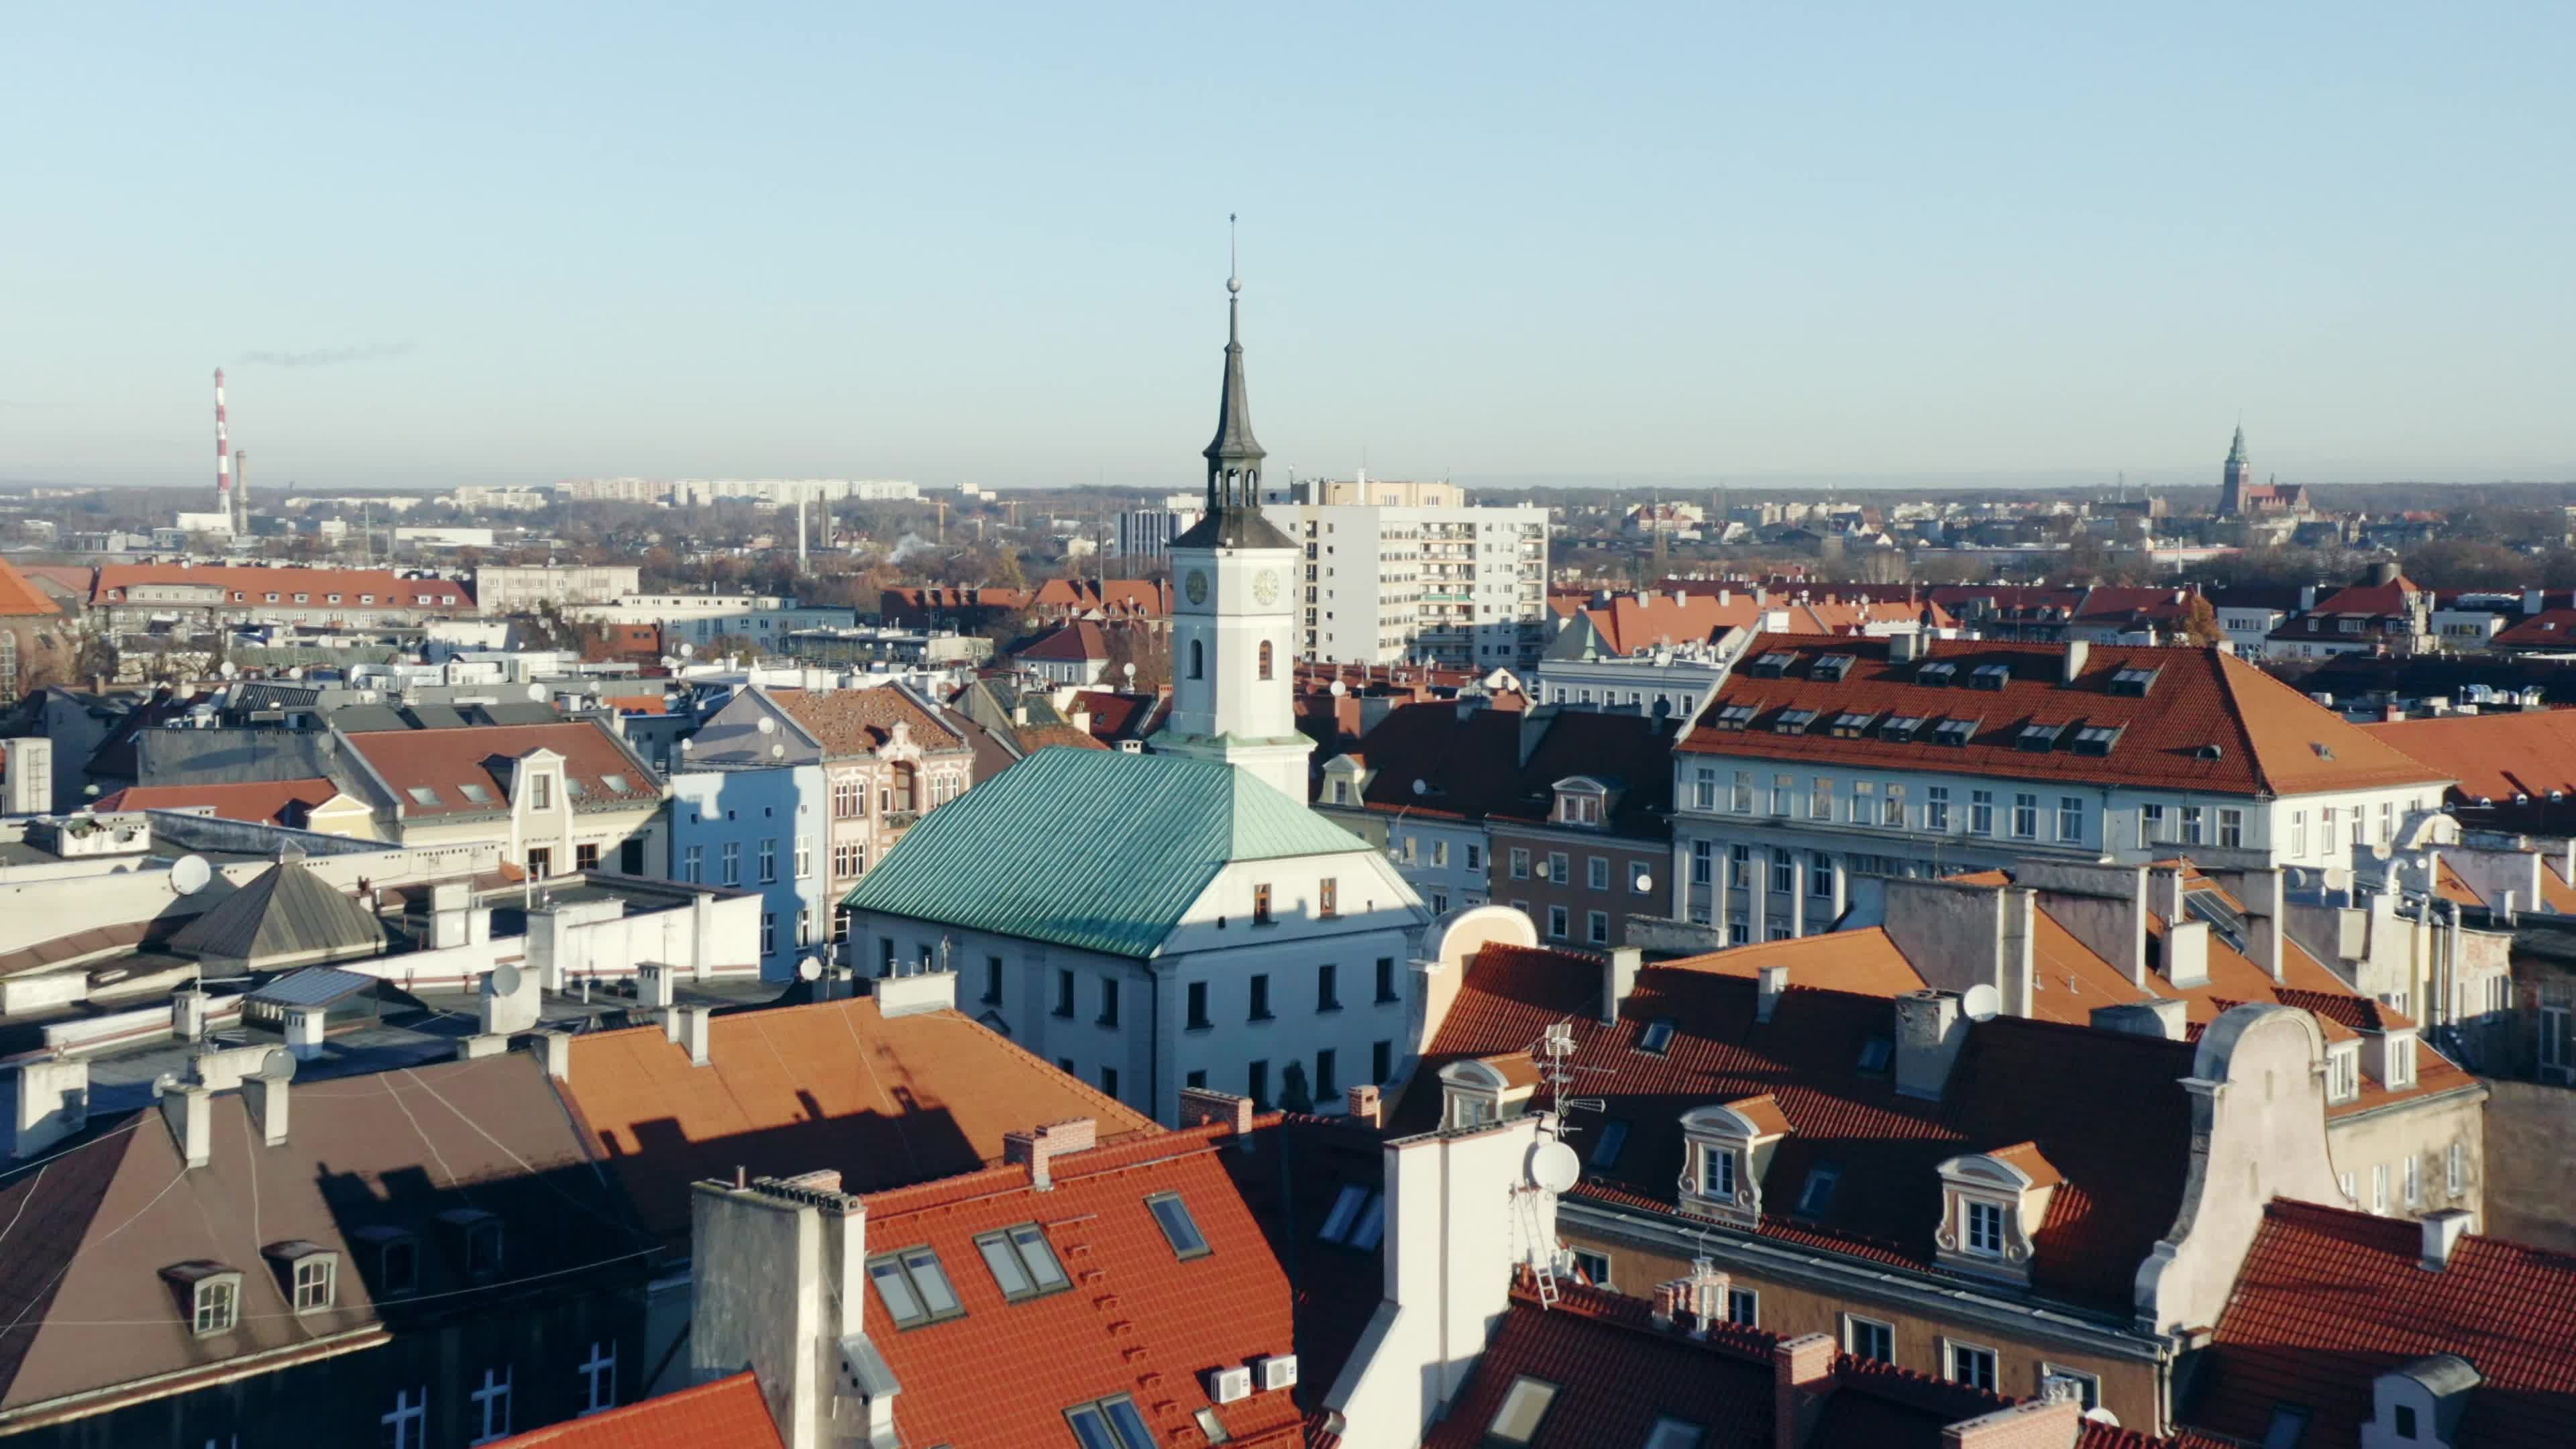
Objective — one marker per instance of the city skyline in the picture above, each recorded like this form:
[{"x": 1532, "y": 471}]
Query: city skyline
[{"x": 1745, "y": 250}]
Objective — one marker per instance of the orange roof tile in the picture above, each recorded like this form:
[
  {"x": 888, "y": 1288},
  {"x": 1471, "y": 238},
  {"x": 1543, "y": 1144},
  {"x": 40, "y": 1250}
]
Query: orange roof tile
[
  {"x": 858, "y": 721},
  {"x": 1137, "y": 1318},
  {"x": 833, "y": 1084},
  {"x": 276, "y": 802},
  {"x": 390, "y": 590},
  {"x": 20, "y": 598},
  {"x": 2269, "y": 738},
  {"x": 445, "y": 762},
  {"x": 1861, "y": 961},
  {"x": 729, "y": 1413},
  {"x": 2329, "y": 1299},
  {"x": 1615, "y": 1375},
  {"x": 2494, "y": 757}
]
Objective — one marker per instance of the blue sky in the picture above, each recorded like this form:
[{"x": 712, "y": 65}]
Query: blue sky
[{"x": 949, "y": 242}]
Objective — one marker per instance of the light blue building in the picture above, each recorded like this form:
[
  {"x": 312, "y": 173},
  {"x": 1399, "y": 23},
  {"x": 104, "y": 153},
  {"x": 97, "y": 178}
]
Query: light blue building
[{"x": 747, "y": 811}]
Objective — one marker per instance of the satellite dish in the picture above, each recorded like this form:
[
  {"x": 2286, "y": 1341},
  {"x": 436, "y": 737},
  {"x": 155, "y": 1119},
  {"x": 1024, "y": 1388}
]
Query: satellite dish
[
  {"x": 778, "y": 752},
  {"x": 1553, "y": 1166},
  {"x": 688, "y": 650},
  {"x": 1130, "y": 671},
  {"x": 767, "y": 725},
  {"x": 1421, "y": 787},
  {"x": 686, "y": 745},
  {"x": 228, "y": 669},
  {"x": 190, "y": 874},
  {"x": 504, "y": 980},
  {"x": 809, "y": 969},
  {"x": 1340, "y": 689},
  {"x": 1982, "y": 1002},
  {"x": 1645, "y": 882},
  {"x": 537, "y": 692},
  {"x": 278, "y": 1065}
]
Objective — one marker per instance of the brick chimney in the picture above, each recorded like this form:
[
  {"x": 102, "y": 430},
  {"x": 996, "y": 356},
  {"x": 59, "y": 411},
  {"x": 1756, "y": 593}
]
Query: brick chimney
[
  {"x": 1802, "y": 1371},
  {"x": 1038, "y": 1148},
  {"x": 1367, "y": 1105},
  {"x": 1201, "y": 1106},
  {"x": 2043, "y": 1423}
]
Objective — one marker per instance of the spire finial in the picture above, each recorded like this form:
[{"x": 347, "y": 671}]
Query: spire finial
[{"x": 1233, "y": 272}]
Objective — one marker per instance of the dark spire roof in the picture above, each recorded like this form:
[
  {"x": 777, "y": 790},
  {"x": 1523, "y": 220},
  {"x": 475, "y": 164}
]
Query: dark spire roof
[
  {"x": 1233, "y": 456},
  {"x": 2236, "y": 454},
  {"x": 1233, "y": 446}
]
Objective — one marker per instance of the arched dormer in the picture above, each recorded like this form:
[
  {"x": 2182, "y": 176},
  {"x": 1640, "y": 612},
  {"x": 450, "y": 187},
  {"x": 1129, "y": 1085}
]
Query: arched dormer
[
  {"x": 1480, "y": 1091},
  {"x": 1726, "y": 1149},
  {"x": 1992, "y": 1204}
]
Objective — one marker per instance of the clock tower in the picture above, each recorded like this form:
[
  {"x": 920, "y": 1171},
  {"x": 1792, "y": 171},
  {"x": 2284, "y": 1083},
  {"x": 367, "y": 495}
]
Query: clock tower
[{"x": 1235, "y": 595}]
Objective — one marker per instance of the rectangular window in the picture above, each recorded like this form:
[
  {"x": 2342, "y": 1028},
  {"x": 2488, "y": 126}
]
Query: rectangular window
[
  {"x": 2379, "y": 1188},
  {"x": 1985, "y": 1228},
  {"x": 1703, "y": 855},
  {"x": 769, "y": 862},
  {"x": 1525, "y": 1407},
  {"x": 1704, "y": 789},
  {"x": 2191, "y": 826},
  {"x": 1820, "y": 805},
  {"x": 1109, "y": 1082},
  {"x": 1744, "y": 1307},
  {"x": 1386, "y": 988},
  {"x": 1981, "y": 812},
  {"x": 1739, "y": 866},
  {"x": 2086, "y": 1387},
  {"x": 1112, "y": 1423},
  {"x": 1784, "y": 872},
  {"x": 1741, "y": 797},
  {"x": 2455, "y": 1168},
  {"x": 1892, "y": 815},
  {"x": 1475, "y": 857},
  {"x": 1869, "y": 1338},
  {"x": 2387, "y": 823},
  {"x": 1594, "y": 1268},
  {"x": 2025, "y": 817},
  {"x": 1520, "y": 863},
  {"x": 1605, "y": 1147},
  {"x": 1972, "y": 1366},
  {"x": 768, "y": 932},
  {"x": 1197, "y": 996},
  {"x": 1022, "y": 1262},
  {"x": 585, "y": 857},
  {"x": 1936, "y": 807},
  {"x": 2231, "y": 829},
  {"x": 1325, "y": 1087},
  {"x": 1327, "y": 991},
  {"x": 1596, "y": 927},
  {"x": 1864, "y": 802},
  {"x": 2151, "y": 825},
  {"x": 1556, "y": 923},
  {"x": 914, "y": 1288},
  {"x": 1820, "y": 875},
  {"x": 1108, "y": 1001},
  {"x": 1559, "y": 868},
  {"x": 992, "y": 981},
  {"x": 2070, "y": 819},
  {"x": 1063, "y": 993},
  {"x": 1261, "y": 905},
  {"x": 2298, "y": 832},
  {"x": 1381, "y": 1060},
  {"x": 542, "y": 792},
  {"x": 1439, "y": 855},
  {"x": 1328, "y": 898},
  {"x": 731, "y": 852},
  {"x": 692, "y": 863},
  {"x": 2414, "y": 1182},
  {"x": 1717, "y": 1173},
  {"x": 1256, "y": 1084},
  {"x": 1596, "y": 873},
  {"x": 1260, "y": 983}
]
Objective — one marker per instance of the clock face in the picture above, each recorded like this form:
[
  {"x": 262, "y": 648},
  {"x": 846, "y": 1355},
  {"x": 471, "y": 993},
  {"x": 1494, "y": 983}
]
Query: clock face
[
  {"x": 1196, "y": 586},
  {"x": 1265, "y": 587}
]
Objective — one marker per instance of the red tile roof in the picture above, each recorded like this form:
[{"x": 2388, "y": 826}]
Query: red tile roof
[
  {"x": 2496, "y": 758},
  {"x": 445, "y": 761},
  {"x": 278, "y": 802},
  {"x": 859, "y": 721},
  {"x": 2015, "y": 1081},
  {"x": 729, "y": 1413},
  {"x": 1633, "y": 623},
  {"x": 390, "y": 590},
  {"x": 2548, "y": 629},
  {"x": 19, "y": 596},
  {"x": 885, "y": 1101},
  {"x": 1137, "y": 1320},
  {"x": 2269, "y": 738},
  {"x": 1616, "y": 1374},
  {"x": 2329, "y": 1299},
  {"x": 1079, "y": 642}
]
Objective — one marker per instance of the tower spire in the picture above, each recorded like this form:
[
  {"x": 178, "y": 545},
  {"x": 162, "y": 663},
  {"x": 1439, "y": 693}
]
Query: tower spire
[{"x": 1233, "y": 455}]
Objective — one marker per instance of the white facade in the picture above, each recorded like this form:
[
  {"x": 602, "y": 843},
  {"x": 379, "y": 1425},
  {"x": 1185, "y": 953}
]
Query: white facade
[
  {"x": 1148, "y": 532},
  {"x": 1231, "y": 701},
  {"x": 698, "y": 618},
  {"x": 517, "y": 589},
  {"x": 1460, "y": 585},
  {"x": 1767, "y": 848}
]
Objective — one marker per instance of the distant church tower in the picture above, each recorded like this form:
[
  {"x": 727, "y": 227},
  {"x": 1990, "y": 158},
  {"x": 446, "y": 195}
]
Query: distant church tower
[
  {"x": 2231, "y": 493},
  {"x": 1235, "y": 572}
]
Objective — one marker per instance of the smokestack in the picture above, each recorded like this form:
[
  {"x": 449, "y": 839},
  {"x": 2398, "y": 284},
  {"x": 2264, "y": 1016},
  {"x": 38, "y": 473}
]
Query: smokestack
[
  {"x": 241, "y": 495},
  {"x": 223, "y": 452},
  {"x": 800, "y": 528}
]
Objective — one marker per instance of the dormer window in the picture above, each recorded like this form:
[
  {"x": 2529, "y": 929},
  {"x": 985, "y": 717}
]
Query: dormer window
[
  {"x": 1831, "y": 667},
  {"x": 1990, "y": 677},
  {"x": 2133, "y": 682},
  {"x": 2038, "y": 739},
  {"x": 210, "y": 1295},
  {"x": 1991, "y": 1203},
  {"x": 1939, "y": 674},
  {"x": 1580, "y": 802},
  {"x": 1728, "y": 1149},
  {"x": 1954, "y": 731},
  {"x": 1982, "y": 1224},
  {"x": 1793, "y": 721},
  {"x": 1771, "y": 666},
  {"x": 1851, "y": 724},
  {"x": 2096, "y": 740},
  {"x": 1481, "y": 1091},
  {"x": 1901, "y": 728},
  {"x": 475, "y": 1239},
  {"x": 2343, "y": 1071},
  {"x": 1735, "y": 717}
]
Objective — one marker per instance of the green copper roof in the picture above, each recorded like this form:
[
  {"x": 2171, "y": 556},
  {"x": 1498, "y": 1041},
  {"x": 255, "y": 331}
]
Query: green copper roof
[{"x": 1090, "y": 848}]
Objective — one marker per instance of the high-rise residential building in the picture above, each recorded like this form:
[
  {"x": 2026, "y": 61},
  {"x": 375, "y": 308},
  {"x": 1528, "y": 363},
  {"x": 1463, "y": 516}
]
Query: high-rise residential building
[
  {"x": 1148, "y": 532},
  {"x": 1399, "y": 570}
]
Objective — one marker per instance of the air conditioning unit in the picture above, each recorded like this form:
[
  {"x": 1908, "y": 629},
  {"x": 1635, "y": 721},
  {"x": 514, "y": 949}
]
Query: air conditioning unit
[
  {"x": 1226, "y": 1385},
  {"x": 1278, "y": 1371}
]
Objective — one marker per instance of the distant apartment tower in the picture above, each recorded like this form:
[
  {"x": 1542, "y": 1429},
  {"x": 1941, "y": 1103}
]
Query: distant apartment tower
[
  {"x": 1397, "y": 571},
  {"x": 519, "y": 588},
  {"x": 1148, "y": 532}
]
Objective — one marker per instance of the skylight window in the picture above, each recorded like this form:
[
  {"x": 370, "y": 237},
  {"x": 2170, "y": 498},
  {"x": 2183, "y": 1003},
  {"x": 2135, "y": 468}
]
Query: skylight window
[
  {"x": 1023, "y": 1264},
  {"x": 1875, "y": 1052},
  {"x": 2096, "y": 740},
  {"x": 1672, "y": 1433},
  {"x": 1179, "y": 1228},
  {"x": 1939, "y": 674},
  {"x": 1818, "y": 1194},
  {"x": 1901, "y": 728},
  {"x": 1524, "y": 1408},
  {"x": 2038, "y": 739},
  {"x": 615, "y": 784},
  {"x": 1954, "y": 731},
  {"x": 1735, "y": 717},
  {"x": 475, "y": 794},
  {"x": 1657, "y": 1037},
  {"x": 423, "y": 795},
  {"x": 1851, "y": 724},
  {"x": 2133, "y": 682},
  {"x": 574, "y": 788},
  {"x": 1111, "y": 1423},
  {"x": 1358, "y": 1218},
  {"x": 1990, "y": 676},
  {"x": 1831, "y": 666},
  {"x": 1605, "y": 1148},
  {"x": 914, "y": 1288},
  {"x": 1793, "y": 721}
]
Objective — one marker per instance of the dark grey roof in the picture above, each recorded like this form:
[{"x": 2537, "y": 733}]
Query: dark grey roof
[
  {"x": 282, "y": 917},
  {"x": 240, "y": 756},
  {"x": 1234, "y": 442},
  {"x": 515, "y": 712},
  {"x": 1234, "y": 528},
  {"x": 265, "y": 694},
  {"x": 433, "y": 717},
  {"x": 367, "y": 719},
  {"x": 312, "y": 986}
]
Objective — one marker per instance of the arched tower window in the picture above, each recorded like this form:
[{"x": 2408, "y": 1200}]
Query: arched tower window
[
  {"x": 1198, "y": 660},
  {"x": 1265, "y": 659}
]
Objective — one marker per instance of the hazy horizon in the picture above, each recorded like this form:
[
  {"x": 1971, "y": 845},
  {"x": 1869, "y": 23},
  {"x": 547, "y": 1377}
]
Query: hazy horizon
[{"x": 1677, "y": 247}]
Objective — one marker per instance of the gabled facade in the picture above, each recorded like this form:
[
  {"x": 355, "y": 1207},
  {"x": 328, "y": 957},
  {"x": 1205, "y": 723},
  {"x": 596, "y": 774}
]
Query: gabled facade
[
  {"x": 888, "y": 756},
  {"x": 566, "y": 797}
]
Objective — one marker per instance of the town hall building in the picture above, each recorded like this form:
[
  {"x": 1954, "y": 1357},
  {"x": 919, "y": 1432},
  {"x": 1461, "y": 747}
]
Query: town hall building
[{"x": 1177, "y": 918}]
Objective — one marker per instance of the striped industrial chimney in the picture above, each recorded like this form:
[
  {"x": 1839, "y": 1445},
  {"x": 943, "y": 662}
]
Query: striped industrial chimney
[{"x": 223, "y": 453}]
